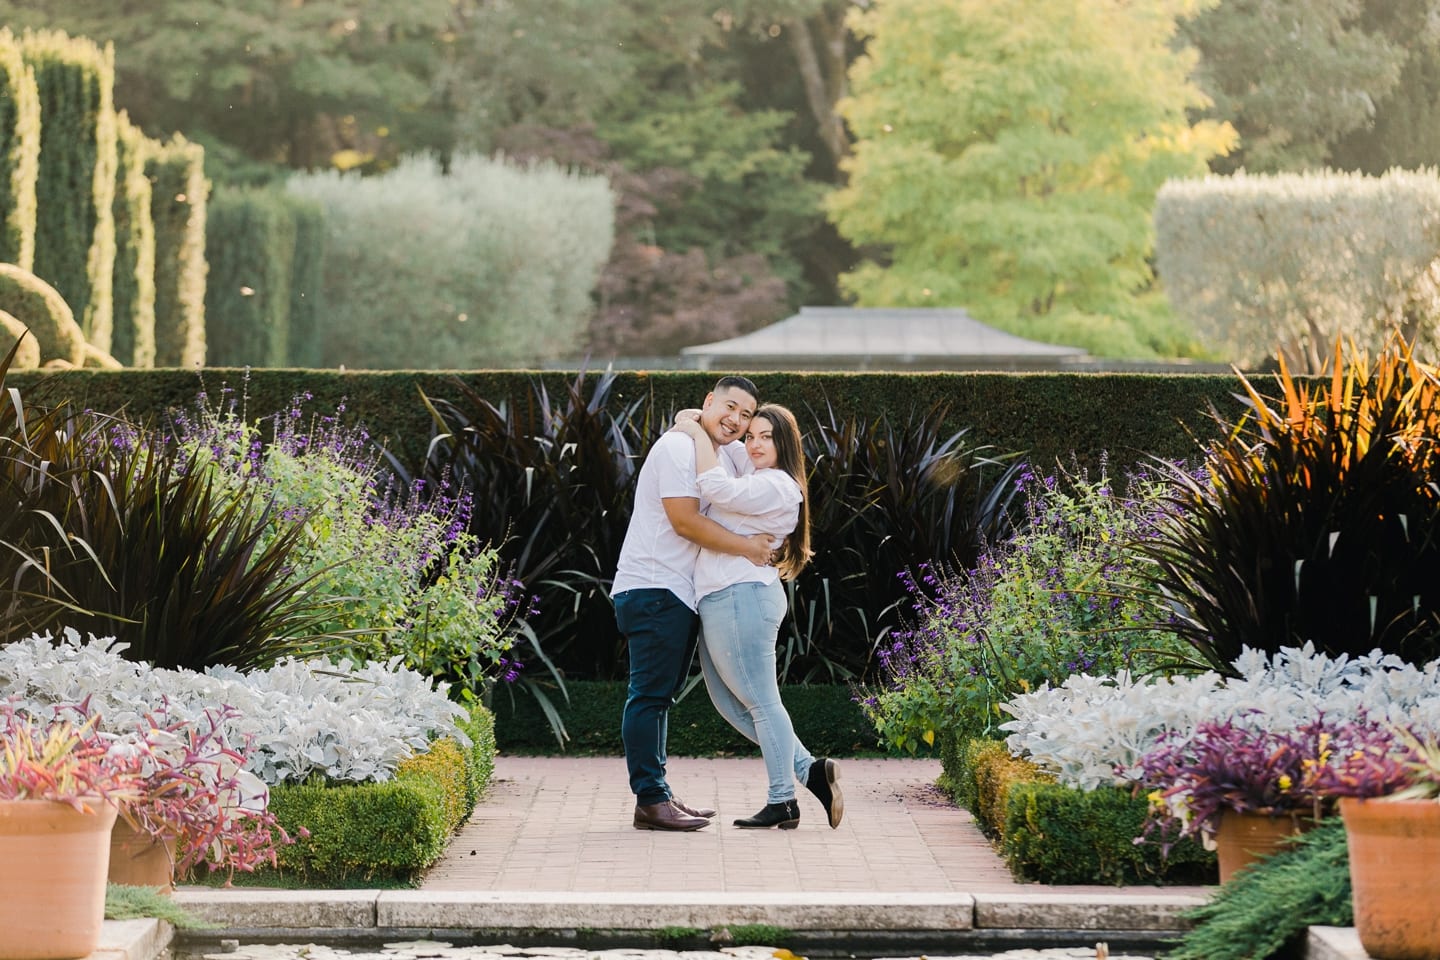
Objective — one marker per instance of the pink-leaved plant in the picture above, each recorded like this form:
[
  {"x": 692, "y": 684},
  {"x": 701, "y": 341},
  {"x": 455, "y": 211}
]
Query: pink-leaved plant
[
  {"x": 196, "y": 791},
  {"x": 64, "y": 761}
]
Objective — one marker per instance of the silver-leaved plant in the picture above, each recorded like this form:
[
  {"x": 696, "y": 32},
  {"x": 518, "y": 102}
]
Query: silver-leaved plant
[
  {"x": 1090, "y": 731},
  {"x": 343, "y": 721}
]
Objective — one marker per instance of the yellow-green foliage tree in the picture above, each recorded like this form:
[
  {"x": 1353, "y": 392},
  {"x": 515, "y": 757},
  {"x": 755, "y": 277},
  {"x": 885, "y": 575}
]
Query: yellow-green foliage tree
[{"x": 1007, "y": 158}]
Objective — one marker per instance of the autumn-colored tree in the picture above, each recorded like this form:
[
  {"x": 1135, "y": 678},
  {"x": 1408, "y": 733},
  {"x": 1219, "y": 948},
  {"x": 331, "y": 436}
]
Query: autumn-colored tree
[{"x": 652, "y": 300}]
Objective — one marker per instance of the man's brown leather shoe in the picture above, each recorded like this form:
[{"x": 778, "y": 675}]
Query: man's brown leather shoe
[
  {"x": 685, "y": 808},
  {"x": 665, "y": 816}
]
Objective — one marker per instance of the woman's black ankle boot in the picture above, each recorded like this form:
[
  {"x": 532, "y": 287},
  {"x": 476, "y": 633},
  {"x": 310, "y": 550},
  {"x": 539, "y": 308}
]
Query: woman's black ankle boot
[{"x": 785, "y": 815}]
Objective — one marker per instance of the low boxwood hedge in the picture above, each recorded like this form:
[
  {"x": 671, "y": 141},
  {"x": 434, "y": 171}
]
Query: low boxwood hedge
[
  {"x": 826, "y": 718},
  {"x": 1049, "y": 833},
  {"x": 360, "y": 834}
]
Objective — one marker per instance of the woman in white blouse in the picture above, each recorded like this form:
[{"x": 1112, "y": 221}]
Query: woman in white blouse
[{"x": 741, "y": 606}]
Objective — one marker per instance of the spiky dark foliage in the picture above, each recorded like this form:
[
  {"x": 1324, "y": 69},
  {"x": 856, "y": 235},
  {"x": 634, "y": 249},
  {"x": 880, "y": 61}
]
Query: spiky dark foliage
[
  {"x": 41, "y": 456},
  {"x": 886, "y": 494},
  {"x": 553, "y": 484},
  {"x": 193, "y": 578},
  {"x": 105, "y": 533},
  {"x": 1316, "y": 518}
]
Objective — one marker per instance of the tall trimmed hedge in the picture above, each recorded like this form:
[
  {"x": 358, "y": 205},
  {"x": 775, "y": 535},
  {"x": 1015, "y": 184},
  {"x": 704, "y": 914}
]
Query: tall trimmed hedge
[
  {"x": 827, "y": 721},
  {"x": 307, "y": 282},
  {"x": 75, "y": 227},
  {"x": 1302, "y": 259},
  {"x": 487, "y": 265},
  {"x": 179, "y": 192},
  {"x": 1049, "y": 416},
  {"x": 133, "y": 339},
  {"x": 250, "y": 239},
  {"x": 19, "y": 153}
]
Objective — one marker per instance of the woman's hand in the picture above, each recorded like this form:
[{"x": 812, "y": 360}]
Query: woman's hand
[{"x": 691, "y": 427}]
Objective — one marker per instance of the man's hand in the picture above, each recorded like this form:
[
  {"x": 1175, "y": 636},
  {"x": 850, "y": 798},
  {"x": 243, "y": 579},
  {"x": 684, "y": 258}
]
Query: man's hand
[
  {"x": 685, "y": 516},
  {"x": 758, "y": 551}
]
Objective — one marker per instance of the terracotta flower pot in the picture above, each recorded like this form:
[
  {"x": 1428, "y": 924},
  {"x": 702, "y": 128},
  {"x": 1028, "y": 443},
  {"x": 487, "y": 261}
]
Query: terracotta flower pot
[
  {"x": 1395, "y": 876},
  {"x": 1244, "y": 838},
  {"x": 52, "y": 878},
  {"x": 139, "y": 860}
]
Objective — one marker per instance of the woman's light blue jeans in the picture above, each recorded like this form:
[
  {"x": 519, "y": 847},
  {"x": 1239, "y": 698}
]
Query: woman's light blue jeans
[{"x": 739, "y": 625}]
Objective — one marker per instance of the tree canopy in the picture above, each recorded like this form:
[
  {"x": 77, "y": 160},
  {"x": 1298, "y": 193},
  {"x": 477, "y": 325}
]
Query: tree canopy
[
  {"x": 1009, "y": 164},
  {"x": 1293, "y": 76},
  {"x": 292, "y": 83},
  {"x": 1001, "y": 155}
]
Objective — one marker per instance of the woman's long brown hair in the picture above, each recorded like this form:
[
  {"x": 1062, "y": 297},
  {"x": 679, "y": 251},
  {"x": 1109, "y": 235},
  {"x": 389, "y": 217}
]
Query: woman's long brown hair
[{"x": 790, "y": 457}]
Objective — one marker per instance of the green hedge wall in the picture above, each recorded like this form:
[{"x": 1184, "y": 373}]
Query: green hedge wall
[
  {"x": 250, "y": 239},
  {"x": 307, "y": 280},
  {"x": 178, "y": 195},
  {"x": 385, "y": 832},
  {"x": 1048, "y": 415},
  {"x": 75, "y": 227},
  {"x": 19, "y": 154},
  {"x": 1049, "y": 833},
  {"x": 826, "y": 720}
]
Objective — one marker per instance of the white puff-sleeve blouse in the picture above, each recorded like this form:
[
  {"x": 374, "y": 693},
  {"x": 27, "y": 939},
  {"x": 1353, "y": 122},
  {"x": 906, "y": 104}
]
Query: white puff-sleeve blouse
[{"x": 766, "y": 501}]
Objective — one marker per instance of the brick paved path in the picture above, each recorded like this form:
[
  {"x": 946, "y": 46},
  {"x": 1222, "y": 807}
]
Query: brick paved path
[{"x": 563, "y": 824}]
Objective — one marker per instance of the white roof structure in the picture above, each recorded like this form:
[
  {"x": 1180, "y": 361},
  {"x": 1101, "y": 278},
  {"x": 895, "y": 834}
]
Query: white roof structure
[{"x": 886, "y": 338}]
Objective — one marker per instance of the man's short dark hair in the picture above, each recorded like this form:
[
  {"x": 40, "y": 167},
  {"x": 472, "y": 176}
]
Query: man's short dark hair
[{"x": 739, "y": 383}]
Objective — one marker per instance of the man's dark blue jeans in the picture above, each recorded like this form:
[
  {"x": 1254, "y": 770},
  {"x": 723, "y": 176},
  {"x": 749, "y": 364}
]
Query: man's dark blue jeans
[{"x": 661, "y": 632}]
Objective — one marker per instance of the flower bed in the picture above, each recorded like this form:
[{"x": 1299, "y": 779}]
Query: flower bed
[{"x": 370, "y": 768}]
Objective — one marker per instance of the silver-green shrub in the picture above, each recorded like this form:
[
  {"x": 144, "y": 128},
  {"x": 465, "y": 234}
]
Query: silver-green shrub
[
  {"x": 488, "y": 265},
  {"x": 1092, "y": 730},
  {"x": 345, "y": 721},
  {"x": 1292, "y": 262}
]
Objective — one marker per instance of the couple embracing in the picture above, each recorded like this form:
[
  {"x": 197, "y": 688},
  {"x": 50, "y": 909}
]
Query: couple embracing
[{"x": 720, "y": 519}]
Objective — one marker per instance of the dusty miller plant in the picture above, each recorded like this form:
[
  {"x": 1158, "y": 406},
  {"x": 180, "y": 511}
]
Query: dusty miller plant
[
  {"x": 1091, "y": 731},
  {"x": 340, "y": 721}
]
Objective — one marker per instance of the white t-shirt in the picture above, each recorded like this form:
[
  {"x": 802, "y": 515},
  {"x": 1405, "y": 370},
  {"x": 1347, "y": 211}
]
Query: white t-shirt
[
  {"x": 766, "y": 501},
  {"x": 653, "y": 554}
]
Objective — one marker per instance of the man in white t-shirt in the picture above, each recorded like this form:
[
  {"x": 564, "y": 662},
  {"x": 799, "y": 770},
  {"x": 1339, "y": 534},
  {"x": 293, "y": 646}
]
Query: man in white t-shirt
[{"x": 654, "y": 592}]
